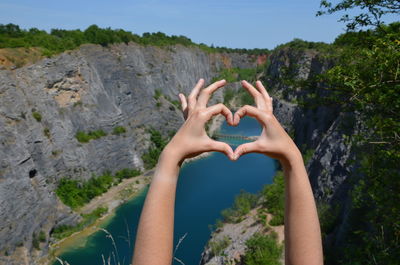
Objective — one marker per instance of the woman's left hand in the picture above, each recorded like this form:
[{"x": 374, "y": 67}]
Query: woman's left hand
[{"x": 192, "y": 139}]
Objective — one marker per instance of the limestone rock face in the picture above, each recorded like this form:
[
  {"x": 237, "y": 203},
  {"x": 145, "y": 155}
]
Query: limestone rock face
[{"x": 43, "y": 106}]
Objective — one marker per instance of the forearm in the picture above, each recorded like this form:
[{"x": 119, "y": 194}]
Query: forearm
[
  {"x": 302, "y": 231},
  {"x": 154, "y": 241}
]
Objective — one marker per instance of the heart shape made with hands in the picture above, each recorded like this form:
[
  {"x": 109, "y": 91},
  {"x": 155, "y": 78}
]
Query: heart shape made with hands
[{"x": 193, "y": 139}]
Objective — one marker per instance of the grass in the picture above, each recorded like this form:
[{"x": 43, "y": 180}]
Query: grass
[{"x": 63, "y": 231}]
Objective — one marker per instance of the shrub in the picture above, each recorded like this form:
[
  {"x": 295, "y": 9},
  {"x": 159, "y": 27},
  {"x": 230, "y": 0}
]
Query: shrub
[
  {"x": 151, "y": 157},
  {"x": 218, "y": 246},
  {"x": 76, "y": 193},
  {"x": 243, "y": 203},
  {"x": 46, "y": 132},
  {"x": 119, "y": 130},
  {"x": 42, "y": 236},
  {"x": 263, "y": 250},
  {"x": 37, "y": 116},
  {"x": 274, "y": 199},
  {"x": 83, "y": 137},
  {"x": 157, "y": 94},
  {"x": 35, "y": 242},
  {"x": 127, "y": 173},
  {"x": 88, "y": 219}
]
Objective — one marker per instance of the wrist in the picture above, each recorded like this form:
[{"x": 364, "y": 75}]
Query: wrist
[{"x": 291, "y": 159}]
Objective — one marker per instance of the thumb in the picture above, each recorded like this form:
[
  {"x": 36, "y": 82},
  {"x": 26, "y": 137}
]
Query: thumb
[
  {"x": 223, "y": 148},
  {"x": 245, "y": 149}
]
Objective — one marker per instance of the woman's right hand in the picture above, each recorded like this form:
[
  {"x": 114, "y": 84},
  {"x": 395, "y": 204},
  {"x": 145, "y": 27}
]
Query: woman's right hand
[{"x": 273, "y": 141}]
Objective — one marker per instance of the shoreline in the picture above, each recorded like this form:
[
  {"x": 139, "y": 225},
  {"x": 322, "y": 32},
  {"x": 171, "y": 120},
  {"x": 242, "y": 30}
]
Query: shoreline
[{"x": 127, "y": 190}]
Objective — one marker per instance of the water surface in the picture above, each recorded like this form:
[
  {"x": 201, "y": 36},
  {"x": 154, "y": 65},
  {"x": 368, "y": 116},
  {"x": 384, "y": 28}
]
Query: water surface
[{"x": 205, "y": 188}]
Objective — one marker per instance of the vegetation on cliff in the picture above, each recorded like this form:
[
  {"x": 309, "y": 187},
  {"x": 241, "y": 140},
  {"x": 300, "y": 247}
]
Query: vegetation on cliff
[
  {"x": 76, "y": 193},
  {"x": 59, "y": 40},
  {"x": 263, "y": 250}
]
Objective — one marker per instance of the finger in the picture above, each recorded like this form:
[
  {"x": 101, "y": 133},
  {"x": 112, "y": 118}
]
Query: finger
[
  {"x": 262, "y": 89},
  {"x": 222, "y": 147},
  {"x": 245, "y": 149},
  {"x": 183, "y": 101},
  {"x": 195, "y": 92},
  {"x": 251, "y": 89},
  {"x": 207, "y": 92},
  {"x": 219, "y": 109},
  {"x": 248, "y": 110},
  {"x": 268, "y": 99}
]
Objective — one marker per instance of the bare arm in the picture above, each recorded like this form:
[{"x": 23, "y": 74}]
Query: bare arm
[
  {"x": 154, "y": 241},
  {"x": 302, "y": 231}
]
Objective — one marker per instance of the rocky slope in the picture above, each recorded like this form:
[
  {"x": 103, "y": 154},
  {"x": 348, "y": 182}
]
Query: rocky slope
[
  {"x": 44, "y": 105},
  {"x": 324, "y": 130}
]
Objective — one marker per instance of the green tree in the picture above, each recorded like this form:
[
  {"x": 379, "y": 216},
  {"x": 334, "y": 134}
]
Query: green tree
[{"x": 370, "y": 12}]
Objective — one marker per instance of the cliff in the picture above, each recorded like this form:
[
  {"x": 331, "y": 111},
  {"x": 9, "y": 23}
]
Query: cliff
[
  {"x": 320, "y": 131},
  {"x": 43, "y": 106}
]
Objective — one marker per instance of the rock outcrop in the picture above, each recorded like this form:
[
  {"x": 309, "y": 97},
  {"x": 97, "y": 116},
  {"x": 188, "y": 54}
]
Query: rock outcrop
[{"x": 44, "y": 105}]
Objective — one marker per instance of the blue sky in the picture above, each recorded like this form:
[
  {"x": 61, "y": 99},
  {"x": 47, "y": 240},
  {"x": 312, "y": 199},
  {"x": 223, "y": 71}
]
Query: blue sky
[{"x": 230, "y": 23}]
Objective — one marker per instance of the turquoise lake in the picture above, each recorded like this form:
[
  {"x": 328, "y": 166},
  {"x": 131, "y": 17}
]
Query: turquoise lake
[{"x": 205, "y": 188}]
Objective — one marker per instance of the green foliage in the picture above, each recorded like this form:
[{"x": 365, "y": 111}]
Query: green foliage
[
  {"x": 63, "y": 231},
  {"x": 369, "y": 12},
  {"x": 35, "y": 241},
  {"x": 150, "y": 158},
  {"x": 365, "y": 79},
  {"x": 243, "y": 203},
  {"x": 263, "y": 250},
  {"x": 274, "y": 199},
  {"x": 157, "y": 94},
  {"x": 127, "y": 173},
  {"x": 83, "y": 137},
  {"x": 46, "y": 132},
  {"x": 37, "y": 116},
  {"x": 59, "y": 40},
  {"x": 307, "y": 155},
  {"x": 301, "y": 45},
  {"x": 76, "y": 193},
  {"x": 218, "y": 246},
  {"x": 119, "y": 130},
  {"x": 42, "y": 236}
]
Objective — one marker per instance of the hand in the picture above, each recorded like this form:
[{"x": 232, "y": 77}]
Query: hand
[
  {"x": 192, "y": 139},
  {"x": 273, "y": 141}
]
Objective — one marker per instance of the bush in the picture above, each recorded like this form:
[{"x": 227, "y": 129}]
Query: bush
[
  {"x": 42, "y": 236},
  {"x": 119, "y": 130},
  {"x": 63, "y": 231},
  {"x": 46, "y": 132},
  {"x": 150, "y": 158},
  {"x": 274, "y": 199},
  {"x": 127, "y": 173},
  {"x": 37, "y": 116},
  {"x": 35, "y": 241},
  {"x": 218, "y": 246},
  {"x": 243, "y": 203},
  {"x": 83, "y": 137},
  {"x": 263, "y": 250}
]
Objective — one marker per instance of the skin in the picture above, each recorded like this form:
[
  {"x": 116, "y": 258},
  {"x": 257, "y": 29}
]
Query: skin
[
  {"x": 302, "y": 230},
  {"x": 154, "y": 241}
]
